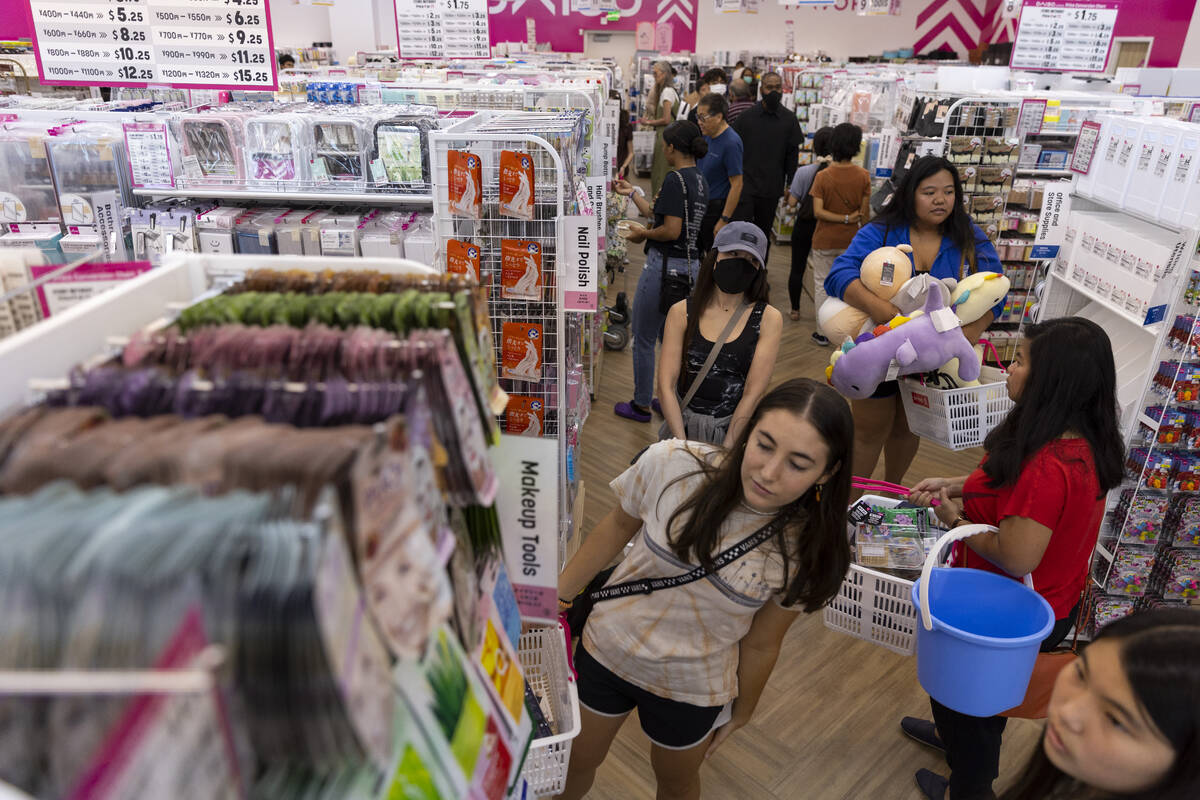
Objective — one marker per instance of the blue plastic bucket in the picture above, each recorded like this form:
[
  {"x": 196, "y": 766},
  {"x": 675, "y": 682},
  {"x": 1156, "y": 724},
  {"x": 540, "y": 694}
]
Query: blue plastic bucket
[{"x": 986, "y": 633}]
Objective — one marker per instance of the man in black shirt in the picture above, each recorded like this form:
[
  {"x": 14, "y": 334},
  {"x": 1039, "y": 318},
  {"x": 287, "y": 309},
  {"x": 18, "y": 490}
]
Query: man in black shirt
[{"x": 771, "y": 138}]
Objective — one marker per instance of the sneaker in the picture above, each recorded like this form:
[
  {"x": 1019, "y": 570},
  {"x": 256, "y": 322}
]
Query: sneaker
[
  {"x": 631, "y": 411},
  {"x": 819, "y": 339},
  {"x": 923, "y": 731},
  {"x": 656, "y": 406},
  {"x": 932, "y": 785}
]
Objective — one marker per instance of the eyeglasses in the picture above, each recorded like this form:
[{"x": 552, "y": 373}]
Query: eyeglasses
[{"x": 703, "y": 117}]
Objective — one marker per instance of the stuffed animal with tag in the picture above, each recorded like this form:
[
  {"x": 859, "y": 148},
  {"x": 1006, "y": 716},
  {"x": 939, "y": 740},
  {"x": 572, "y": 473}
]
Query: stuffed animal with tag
[
  {"x": 974, "y": 296},
  {"x": 902, "y": 347},
  {"x": 884, "y": 271}
]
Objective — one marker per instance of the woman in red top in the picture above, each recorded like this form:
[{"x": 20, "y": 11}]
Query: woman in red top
[{"x": 1048, "y": 467}]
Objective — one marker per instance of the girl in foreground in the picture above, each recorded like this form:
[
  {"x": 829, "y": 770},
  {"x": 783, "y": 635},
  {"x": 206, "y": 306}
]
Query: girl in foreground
[
  {"x": 1124, "y": 719},
  {"x": 693, "y": 659}
]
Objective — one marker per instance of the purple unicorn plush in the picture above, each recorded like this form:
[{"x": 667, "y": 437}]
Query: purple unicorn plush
[{"x": 919, "y": 344}]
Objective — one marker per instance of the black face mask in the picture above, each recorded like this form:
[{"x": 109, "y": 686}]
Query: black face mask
[
  {"x": 772, "y": 100},
  {"x": 734, "y": 275}
]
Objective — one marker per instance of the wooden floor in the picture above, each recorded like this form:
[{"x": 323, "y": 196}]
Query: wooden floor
[{"x": 827, "y": 727}]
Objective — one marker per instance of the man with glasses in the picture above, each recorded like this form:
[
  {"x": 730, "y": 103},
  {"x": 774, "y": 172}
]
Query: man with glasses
[
  {"x": 721, "y": 167},
  {"x": 771, "y": 136}
]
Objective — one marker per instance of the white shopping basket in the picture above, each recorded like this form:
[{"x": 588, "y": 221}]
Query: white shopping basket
[
  {"x": 956, "y": 418},
  {"x": 874, "y": 606},
  {"x": 543, "y": 655}
]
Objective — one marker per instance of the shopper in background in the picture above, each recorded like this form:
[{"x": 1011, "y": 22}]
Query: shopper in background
[
  {"x": 693, "y": 659},
  {"x": 722, "y": 168},
  {"x": 799, "y": 199},
  {"x": 624, "y": 139},
  {"x": 1042, "y": 482},
  {"x": 739, "y": 69},
  {"x": 927, "y": 212},
  {"x": 1124, "y": 720},
  {"x": 740, "y": 100},
  {"x": 670, "y": 249},
  {"x": 660, "y": 112},
  {"x": 286, "y": 61},
  {"x": 841, "y": 204},
  {"x": 771, "y": 138},
  {"x": 732, "y": 289},
  {"x": 711, "y": 82}
]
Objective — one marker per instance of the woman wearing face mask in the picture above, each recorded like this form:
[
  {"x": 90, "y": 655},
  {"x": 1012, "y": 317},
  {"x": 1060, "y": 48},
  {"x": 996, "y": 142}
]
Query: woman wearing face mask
[
  {"x": 660, "y": 112},
  {"x": 927, "y": 212},
  {"x": 731, "y": 298},
  {"x": 693, "y": 659},
  {"x": 711, "y": 82},
  {"x": 1124, "y": 719},
  {"x": 670, "y": 249},
  {"x": 1047, "y": 469}
]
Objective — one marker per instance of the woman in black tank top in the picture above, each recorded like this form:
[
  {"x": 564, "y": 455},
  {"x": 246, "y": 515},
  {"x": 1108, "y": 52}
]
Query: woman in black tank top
[{"x": 731, "y": 296}]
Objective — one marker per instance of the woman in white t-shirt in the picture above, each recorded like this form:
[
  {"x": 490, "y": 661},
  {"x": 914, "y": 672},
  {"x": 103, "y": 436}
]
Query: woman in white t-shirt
[
  {"x": 693, "y": 659},
  {"x": 660, "y": 112}
]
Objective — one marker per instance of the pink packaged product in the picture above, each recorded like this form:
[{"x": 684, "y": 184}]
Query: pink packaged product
[
  {"x": 212, "y": 145},
  {"x": 274, "y": 150}
]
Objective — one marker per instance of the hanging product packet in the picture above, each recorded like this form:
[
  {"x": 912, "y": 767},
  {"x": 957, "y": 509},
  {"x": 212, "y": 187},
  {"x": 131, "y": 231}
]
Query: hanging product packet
[
  {"x": 522, "y": 348},
  {"x": 516, "y": 185},
  {"x": 406, "y": 586},
  {"x": 520, "y": 270},
  {"x": 466, "y": 184},
  {"x": 479, "y": 361},
  {"x": 526, "y": 416},
  {"x": 462, "y": 258}
]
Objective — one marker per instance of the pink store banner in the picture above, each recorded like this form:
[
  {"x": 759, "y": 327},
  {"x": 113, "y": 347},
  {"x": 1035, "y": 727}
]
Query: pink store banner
[{"x": 561, "y": 24}]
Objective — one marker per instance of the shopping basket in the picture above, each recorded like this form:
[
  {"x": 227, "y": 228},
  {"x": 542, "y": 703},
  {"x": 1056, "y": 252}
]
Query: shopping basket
[
  {"x": 956, "y": 418},
  {"x": 543, "y": 655},
  {"x": 873, "y": 605}
]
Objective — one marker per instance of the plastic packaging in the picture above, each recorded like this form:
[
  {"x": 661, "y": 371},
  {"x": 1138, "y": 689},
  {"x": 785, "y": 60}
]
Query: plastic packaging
[
  {"x": 338, "y": 146},
  {"x": 402, "y": 146},
  {"x": 26, "y": 184},
  {"x": 212, "y": 145},
  {"x": 274, "y": 149}
]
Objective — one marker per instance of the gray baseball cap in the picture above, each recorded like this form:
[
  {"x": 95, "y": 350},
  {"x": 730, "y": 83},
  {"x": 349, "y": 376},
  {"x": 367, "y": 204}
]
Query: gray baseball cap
[{"x": 743, "y": 236}]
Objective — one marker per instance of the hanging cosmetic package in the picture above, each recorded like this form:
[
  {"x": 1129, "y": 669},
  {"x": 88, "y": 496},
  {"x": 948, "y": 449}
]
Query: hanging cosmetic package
[
  {"x": 275, "y": 152},
  {"x": 402, "y": 146},
  {"x": 212, "y": 145}
]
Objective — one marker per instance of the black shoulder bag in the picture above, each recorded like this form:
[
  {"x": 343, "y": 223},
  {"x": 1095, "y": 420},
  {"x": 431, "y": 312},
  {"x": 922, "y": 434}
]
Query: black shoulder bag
[
  {"x": 597, "y": 592},
  {"x": 676, "y": 287}
]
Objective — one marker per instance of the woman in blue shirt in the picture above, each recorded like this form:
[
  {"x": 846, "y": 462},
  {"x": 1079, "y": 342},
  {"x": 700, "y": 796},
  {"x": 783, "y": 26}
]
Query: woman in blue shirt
[{"x": 927, "y": 211}]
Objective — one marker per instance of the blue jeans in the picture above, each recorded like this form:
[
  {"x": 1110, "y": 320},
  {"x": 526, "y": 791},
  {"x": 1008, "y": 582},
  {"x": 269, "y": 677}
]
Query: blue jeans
[{"x": 648, "y": 322}]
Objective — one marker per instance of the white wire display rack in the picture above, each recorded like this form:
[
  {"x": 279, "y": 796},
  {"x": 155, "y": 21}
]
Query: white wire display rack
[{"x": 555, "y": 142}]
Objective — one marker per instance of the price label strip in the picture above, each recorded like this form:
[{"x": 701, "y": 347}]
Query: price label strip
[
  {"x": 442, "y": 28},
  {"x": 188, "y": 44},
  {"x": 1065, "y": 36}
]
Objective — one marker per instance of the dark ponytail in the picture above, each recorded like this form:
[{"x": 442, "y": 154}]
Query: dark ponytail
[{"x": 685, "y": 137}]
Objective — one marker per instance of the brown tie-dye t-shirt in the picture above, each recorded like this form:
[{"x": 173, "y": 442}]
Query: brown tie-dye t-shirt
[{"x": 680, "y": 643}]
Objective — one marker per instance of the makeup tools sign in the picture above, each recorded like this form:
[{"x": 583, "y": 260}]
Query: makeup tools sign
[
  {"x": 527, "y": 505},
  {"x": 199, "y": 44}
]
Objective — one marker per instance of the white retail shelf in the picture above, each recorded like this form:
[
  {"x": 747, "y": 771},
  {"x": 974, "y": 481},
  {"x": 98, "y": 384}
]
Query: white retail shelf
[
  {"x": 1148, "y": 422},
  {"x": 1108, "y": 304},
  {"x": 1132, "y": 212},
  {"x": 379, "y": 198},
  {"x": 1045, "y": 173}
]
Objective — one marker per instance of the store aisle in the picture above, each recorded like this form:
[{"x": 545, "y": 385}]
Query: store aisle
[{"x": 827, "y": 727}]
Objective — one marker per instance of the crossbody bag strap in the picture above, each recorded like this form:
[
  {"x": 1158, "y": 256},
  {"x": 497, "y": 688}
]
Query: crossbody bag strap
[
  {"x": 723, "y": 560},
  {"x": 734, "y": 318}
]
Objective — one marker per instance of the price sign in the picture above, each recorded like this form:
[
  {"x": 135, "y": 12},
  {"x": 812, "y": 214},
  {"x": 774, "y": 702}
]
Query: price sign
[
  {"x": 442, "y": 28},
  {"x": 1065, "y": 36},
  {"x": 213, "y": 44},
  {"x": 1085, "y": 148},
  {"x": 1033, "y": 113},
  {"x": 149, "y": 154}
]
